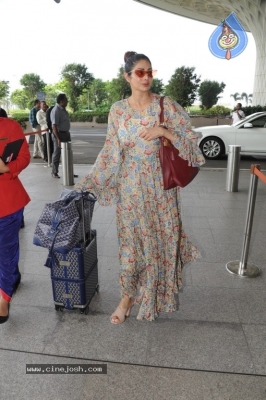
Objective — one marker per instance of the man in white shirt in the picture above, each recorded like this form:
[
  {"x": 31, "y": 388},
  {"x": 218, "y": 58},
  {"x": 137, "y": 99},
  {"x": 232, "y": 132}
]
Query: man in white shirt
[
  {"x": 41, "y": 118},
  {"x": 238, "y": 114}
]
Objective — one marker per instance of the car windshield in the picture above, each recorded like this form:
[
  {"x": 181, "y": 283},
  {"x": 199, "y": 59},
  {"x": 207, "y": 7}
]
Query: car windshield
[{"x": 246, "y": 119}]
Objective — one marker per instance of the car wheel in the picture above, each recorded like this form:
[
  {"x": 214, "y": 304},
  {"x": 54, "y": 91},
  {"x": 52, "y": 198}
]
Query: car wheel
[{"x": 212, "y": 148}]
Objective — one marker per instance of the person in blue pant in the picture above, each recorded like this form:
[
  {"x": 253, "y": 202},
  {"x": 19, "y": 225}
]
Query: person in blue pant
[{"x": 13, "y": 199}]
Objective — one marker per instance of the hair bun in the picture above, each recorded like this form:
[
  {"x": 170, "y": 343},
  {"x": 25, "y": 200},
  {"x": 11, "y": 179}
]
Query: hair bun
[{"x": 128, "y": 54}]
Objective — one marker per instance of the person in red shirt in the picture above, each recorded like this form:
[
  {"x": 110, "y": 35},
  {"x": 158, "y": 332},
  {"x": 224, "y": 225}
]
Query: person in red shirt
[{"x": 13, "y": 199}]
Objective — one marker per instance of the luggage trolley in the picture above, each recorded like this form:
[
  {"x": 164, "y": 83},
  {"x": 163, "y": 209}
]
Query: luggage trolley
[{"x": 74, "y": 273}]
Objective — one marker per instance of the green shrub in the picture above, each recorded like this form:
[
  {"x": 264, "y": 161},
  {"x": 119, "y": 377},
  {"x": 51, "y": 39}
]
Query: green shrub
[
  {"x": 102, "y": 119},
  {"x": 81, "y": 116},
  {"x": 100, "y": 112},
  {"x": 20, "y": 114},
  {"x": 221, "y": 110},
  {"x": 21, "y": 117},
  {"x": 194, "y": 110},
  {"x": 21, "y": 121},
  {"x": 105, "y": 108},
  {"x": 253, "y": 109},
  {"x": 216, "y": 110}
]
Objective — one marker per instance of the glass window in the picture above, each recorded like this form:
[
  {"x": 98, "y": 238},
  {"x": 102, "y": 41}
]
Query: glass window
[{"x": 259, "y": 122}]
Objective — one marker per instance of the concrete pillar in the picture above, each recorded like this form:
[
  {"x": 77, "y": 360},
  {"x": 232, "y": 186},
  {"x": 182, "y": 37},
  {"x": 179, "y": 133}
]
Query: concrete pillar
[
  {"x": 252, "y": 15},
  {"x": 259, "y": 88}
]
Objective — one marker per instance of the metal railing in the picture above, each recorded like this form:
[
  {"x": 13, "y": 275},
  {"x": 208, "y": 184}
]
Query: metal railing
[
  {"x": 67, "y": 164},
  {"x": 242, "y": 267}
]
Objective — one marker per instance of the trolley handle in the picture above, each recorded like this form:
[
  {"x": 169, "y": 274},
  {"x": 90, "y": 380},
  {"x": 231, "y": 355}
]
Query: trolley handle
[
  {"x": 83, "y": 199},
  {"x": 83, "y": 220}
]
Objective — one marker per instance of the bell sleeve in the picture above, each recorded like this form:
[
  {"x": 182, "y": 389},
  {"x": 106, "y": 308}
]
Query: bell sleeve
[
  {"x": 102, "y": 179},
  {"x": 178, "y": 122}
]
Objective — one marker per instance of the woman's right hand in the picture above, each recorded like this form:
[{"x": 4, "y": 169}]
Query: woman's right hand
[{"x": 3, "y": 167}]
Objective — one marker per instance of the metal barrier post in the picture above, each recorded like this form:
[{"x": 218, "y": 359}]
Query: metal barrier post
[
  {"x": 233, "y": 165},
  {"x": 243, "y": 268},
  {"x": 48, "y": 148},
  {"x": 67, "y": 164}
]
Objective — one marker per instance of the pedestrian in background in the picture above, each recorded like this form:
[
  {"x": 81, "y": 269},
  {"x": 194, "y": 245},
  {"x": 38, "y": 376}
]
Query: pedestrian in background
[
  {"x": 153, "y": 247},
  {"x": 61, "y": 130},
  {"x": 13, "y": 199},
  {"x": 238, "y": 114},
  {"x": 38, "y": 144},
  {"x": 41, "y": 118},
  {"x": 50, "y": 129}
]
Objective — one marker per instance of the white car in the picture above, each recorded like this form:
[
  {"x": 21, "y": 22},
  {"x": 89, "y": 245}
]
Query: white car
[{"x": 249, "y": 133}]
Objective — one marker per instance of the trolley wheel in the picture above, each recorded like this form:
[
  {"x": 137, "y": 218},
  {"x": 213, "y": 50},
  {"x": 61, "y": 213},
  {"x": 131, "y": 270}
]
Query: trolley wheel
[
  {"x": 97, "y": 288},
  {"x": 58, "y": 308},
  {"x": 85, "y": 310}
]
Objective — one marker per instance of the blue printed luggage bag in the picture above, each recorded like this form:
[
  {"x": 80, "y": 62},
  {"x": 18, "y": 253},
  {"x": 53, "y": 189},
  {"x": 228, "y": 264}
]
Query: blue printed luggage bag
[{"x": 74, "y": 273}]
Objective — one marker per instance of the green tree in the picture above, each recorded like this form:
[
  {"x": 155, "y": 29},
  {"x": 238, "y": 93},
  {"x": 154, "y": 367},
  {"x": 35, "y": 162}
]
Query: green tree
[
  {"x": 4, "y": 89},
  {"x": 183, "y": 86},
  {"x": 209, "y": 93},
  {"x": 157, "y": 86},
  {"x": 118, "y": 88},
  {"x": 246, "y": 97},
  {"x": 84, "y": 100},
  {"x": 52, "y": 91},
  {"x": 97, "y": 93},
  {"x": 32, "y": 84},
  {"x": 19, "y": 98},
  {"x": 77, "y": 78},
  {"x": 236, "y": 96}
]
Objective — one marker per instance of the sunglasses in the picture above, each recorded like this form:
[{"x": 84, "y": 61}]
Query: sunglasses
[{"x": 141, "y": 73}]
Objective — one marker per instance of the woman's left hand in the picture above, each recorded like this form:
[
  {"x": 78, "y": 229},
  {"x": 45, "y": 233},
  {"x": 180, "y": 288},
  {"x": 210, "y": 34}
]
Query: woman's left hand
[{"x": 152, "y": 133}]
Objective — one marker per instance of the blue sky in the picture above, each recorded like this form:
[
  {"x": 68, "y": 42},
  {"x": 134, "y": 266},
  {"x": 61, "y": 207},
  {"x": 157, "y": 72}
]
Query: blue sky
[{"x": 41, "y": 36}]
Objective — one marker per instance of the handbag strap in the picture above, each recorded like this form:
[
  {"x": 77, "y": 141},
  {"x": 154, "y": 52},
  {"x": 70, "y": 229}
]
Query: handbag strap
[
  {"x": 50, "y": 258},
  {"x": 162, "y": 111},
  {"x": 163, "y": 140}
]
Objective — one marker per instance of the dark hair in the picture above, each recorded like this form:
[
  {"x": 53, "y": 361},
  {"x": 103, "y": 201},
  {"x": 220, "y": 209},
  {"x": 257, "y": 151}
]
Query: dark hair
[
  {"x": 60, "y": 97},
  {"x": 240, "y": 104},
  {"x": 131, "y": 58},
  {"x": 36, "y": 102}
]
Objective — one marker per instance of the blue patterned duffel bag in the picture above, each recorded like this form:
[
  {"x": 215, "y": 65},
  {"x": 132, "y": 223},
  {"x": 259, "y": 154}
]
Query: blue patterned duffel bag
[{"x": 60, "y": 224}]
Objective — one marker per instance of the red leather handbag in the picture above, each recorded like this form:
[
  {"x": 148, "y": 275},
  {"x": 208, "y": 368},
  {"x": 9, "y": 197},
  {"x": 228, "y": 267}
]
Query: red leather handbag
[{"x": 176, "y": 171}]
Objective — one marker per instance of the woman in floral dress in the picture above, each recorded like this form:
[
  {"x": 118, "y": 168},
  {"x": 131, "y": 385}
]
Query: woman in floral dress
[{"x": 153, "y": 248}]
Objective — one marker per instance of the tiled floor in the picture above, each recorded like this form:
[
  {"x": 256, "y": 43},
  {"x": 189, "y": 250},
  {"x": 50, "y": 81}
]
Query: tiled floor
[{"x": 212, "y": 348}]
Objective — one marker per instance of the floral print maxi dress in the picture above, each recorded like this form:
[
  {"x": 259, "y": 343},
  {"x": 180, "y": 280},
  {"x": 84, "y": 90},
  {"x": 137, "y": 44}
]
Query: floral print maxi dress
[{"x": 153, "y": 247}]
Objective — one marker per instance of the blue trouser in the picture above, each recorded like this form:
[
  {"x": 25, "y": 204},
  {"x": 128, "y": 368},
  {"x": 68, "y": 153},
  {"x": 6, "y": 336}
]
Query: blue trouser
[{"x": 9, "y": 253}]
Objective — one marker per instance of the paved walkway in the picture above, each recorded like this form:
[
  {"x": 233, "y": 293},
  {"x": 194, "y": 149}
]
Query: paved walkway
[{"x": 212, "y": 348}]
